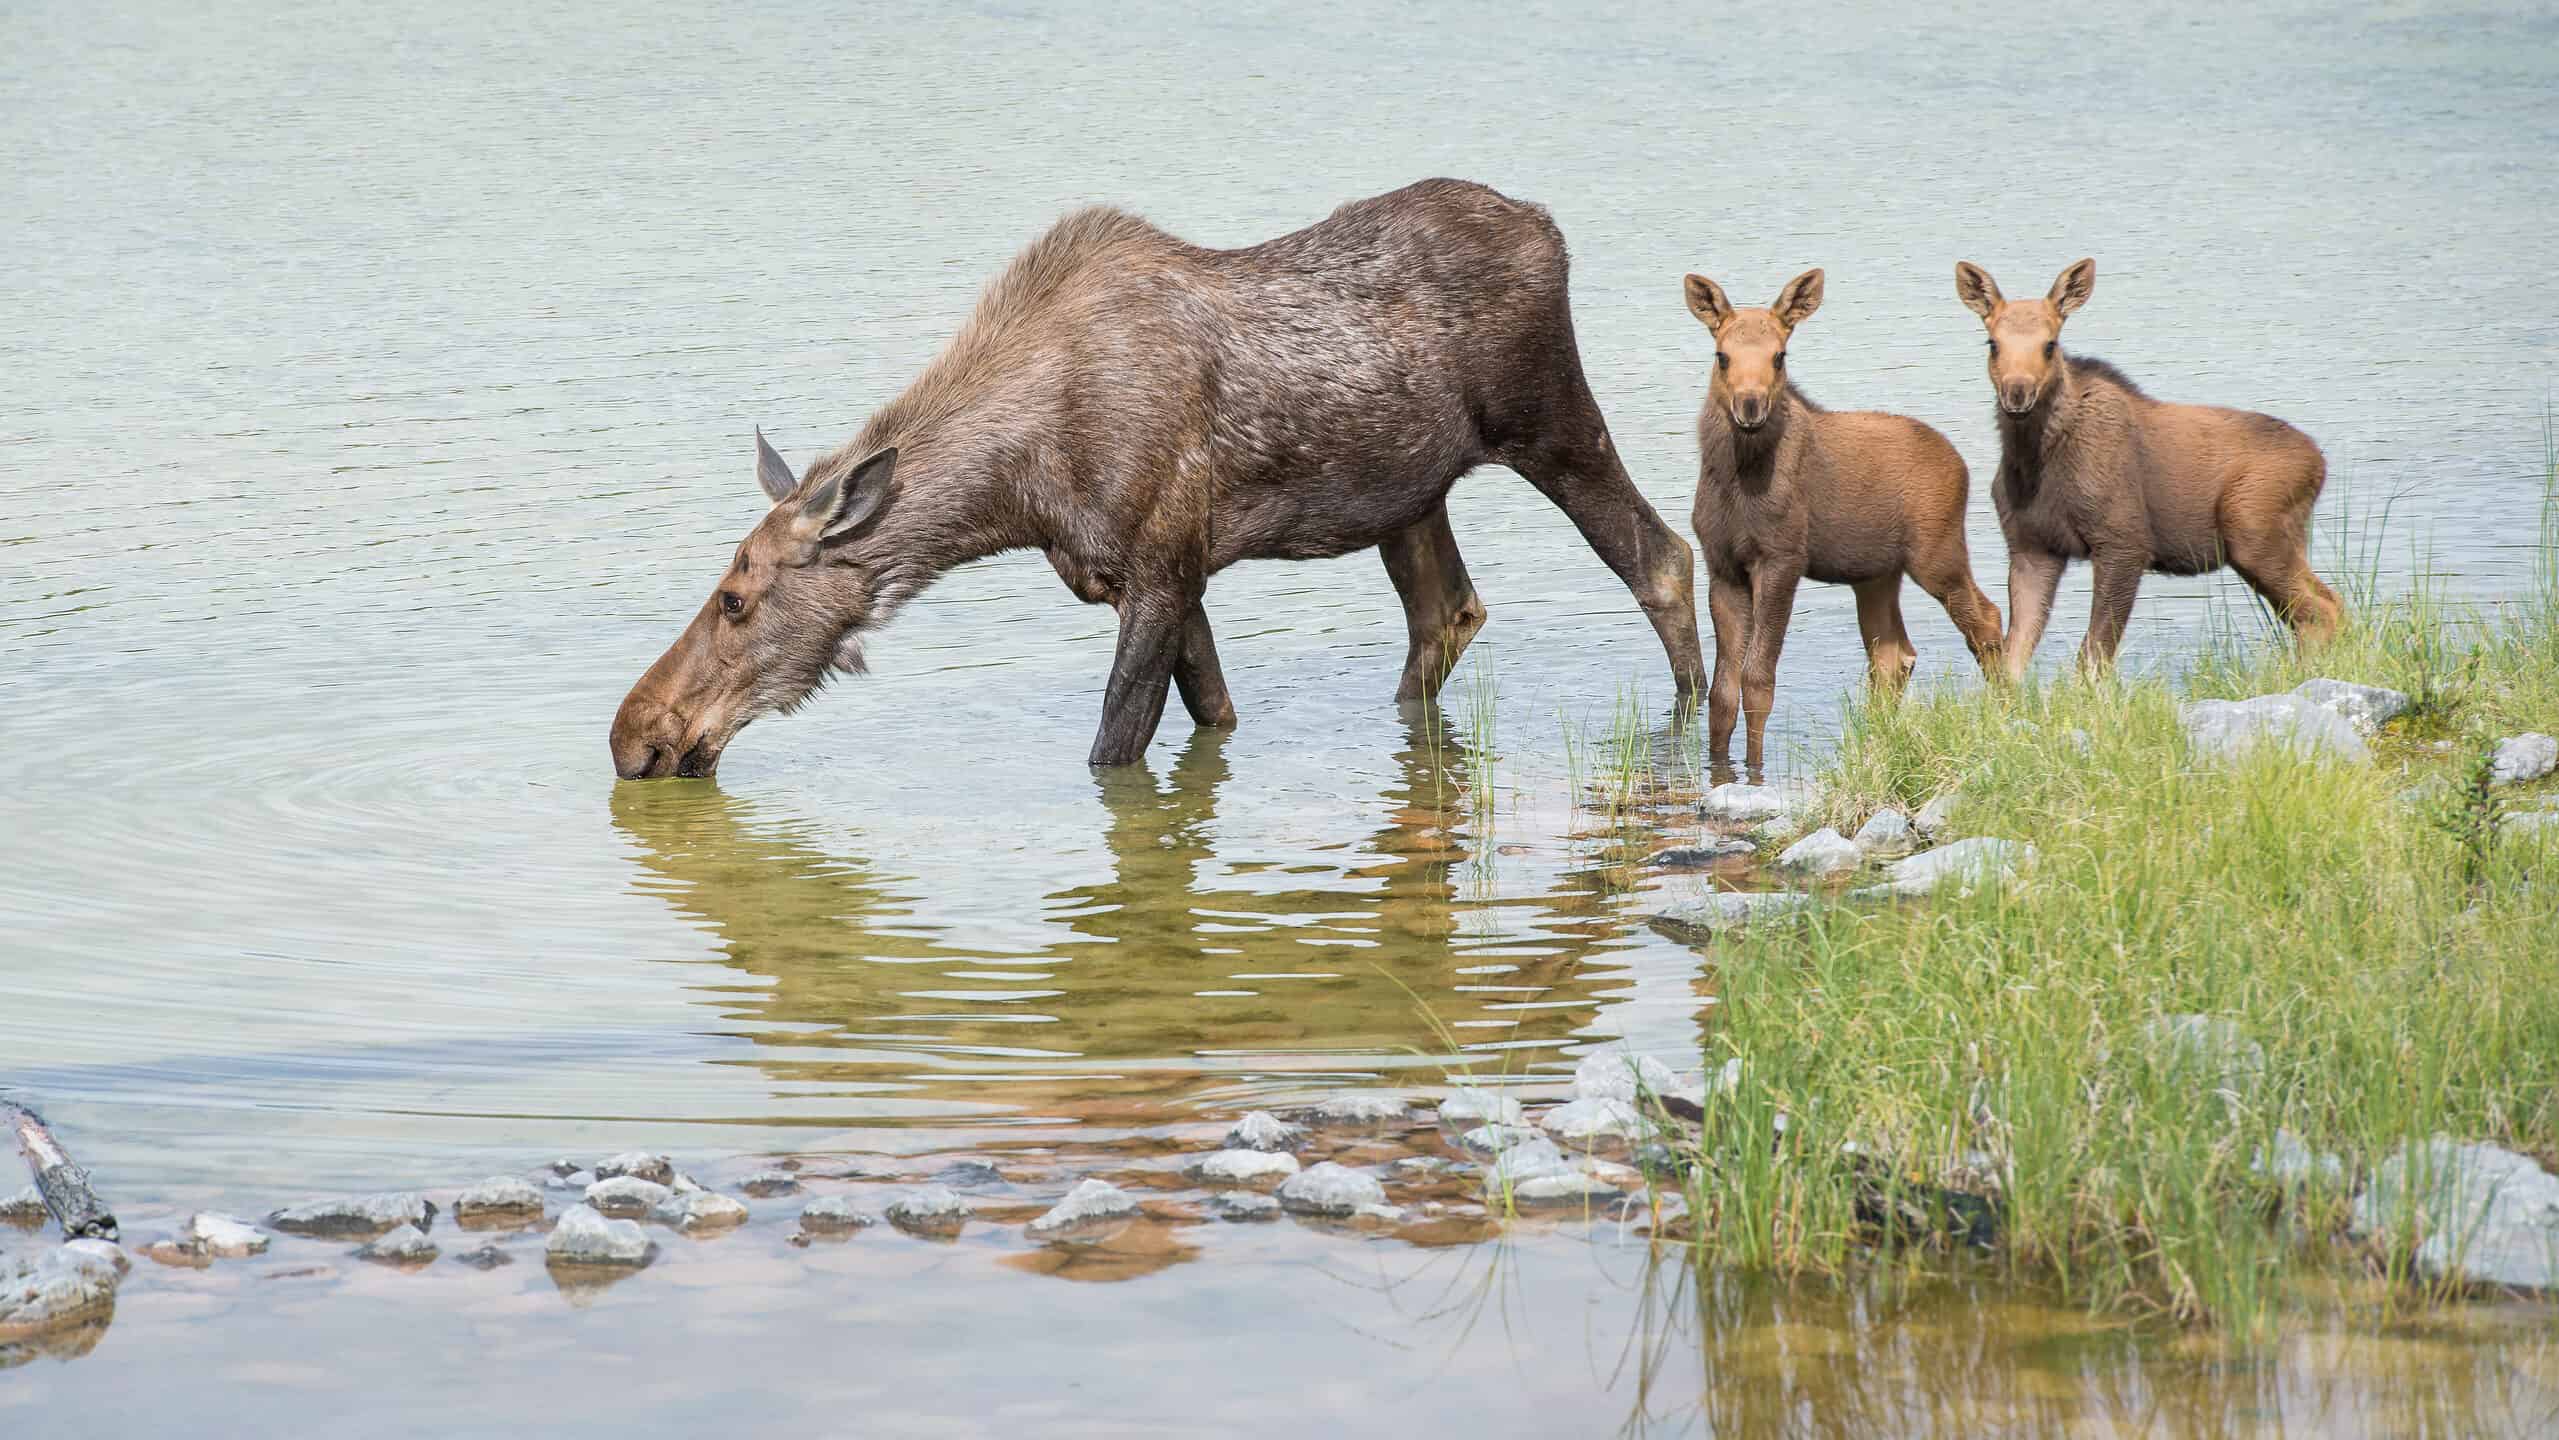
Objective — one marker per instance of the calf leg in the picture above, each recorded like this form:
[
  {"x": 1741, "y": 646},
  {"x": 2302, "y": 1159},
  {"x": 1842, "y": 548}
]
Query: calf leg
[
  {"x": 1728, "y": 602},
  {"x": 1772, "y": 606},
  {"x": 1948, "y": 577},
  {"x": 2277, "y": 567},
  {"x": 1197, "y": 676},
  {"x": 1441, "y": 611},
  {"x": 2033, "y": 575},
  {"x": 1576, "y": 466},
  {"x": 2118, "y": 582},
  {"x": 1889, "y": 656},
  {"x": 1151, "y": 626}
]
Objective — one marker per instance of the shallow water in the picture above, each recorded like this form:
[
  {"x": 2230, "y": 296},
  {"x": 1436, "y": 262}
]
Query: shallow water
[{"x": 380, "y": 393}]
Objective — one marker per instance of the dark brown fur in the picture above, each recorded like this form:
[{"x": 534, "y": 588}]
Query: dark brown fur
[
  {"x": 1147, "y": 412},
  {"x": 1788, "y": 491},
  {"x": 2092, "y": 468}
]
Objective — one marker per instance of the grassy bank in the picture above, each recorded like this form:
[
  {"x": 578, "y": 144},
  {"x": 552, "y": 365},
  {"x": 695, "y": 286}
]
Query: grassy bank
[{"x": 2396, "y": 960}]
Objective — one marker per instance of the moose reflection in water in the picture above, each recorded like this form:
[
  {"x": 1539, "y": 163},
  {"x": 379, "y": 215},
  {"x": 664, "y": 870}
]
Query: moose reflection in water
[{"x": 1185, "y": 973}]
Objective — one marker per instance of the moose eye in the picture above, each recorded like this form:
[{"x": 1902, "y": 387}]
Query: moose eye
[
  {"x": 1994, "y": 347},
  {"x": 2049, "y": 347},
  {"x": 1723, "y": 361},
  {"x": 732, "y": 604},
  {"x": 1781, "y": 360}
]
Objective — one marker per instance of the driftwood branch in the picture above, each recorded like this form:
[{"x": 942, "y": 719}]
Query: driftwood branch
[{"x": 64, "y": 1185}]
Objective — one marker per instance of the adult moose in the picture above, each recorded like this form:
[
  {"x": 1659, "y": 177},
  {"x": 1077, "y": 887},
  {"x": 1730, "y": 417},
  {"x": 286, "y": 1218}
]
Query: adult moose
[
  {"x": 1788, "y": 491},
  {"x": 2092, "y": 468},
  {"x": 1148, "y": 412}
]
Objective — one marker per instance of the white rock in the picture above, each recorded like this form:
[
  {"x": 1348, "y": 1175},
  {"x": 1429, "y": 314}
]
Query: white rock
[
  {"x": 1571, "y": 1187},
  {"x": 1089, "y": 1202},
  {"x": 640, "y": 1164},
  {"x": 1705, "y": 852},
  {"x": 2486, "y": 1215},
  {"x": 93, "y": 1251},
  {"x": 1242, "y": 1205},
  {"x": 1585, "y": 1121},
  {"x": 1242, "y": 1167},
  {"x": 934, "y": 1209},
  {"x": 1523, "y": 1162},
  {"x": 1390, "y": 1214},
  {"x": 1262, "y": 1130},
  {"x": 1936, "y": 817},
  {"x": 2523, "y": 757},
  {"x": 404, "y": 1245},
  {"x": 1824, "y": 852},
  {"x": 1777, "y": 830},
  {"x": 1886, "y": 832},
  {"x": 699, "y": 1210},
  {"x": 583, "y": 1237},
  {"x": 61, "y": 1287},
  {"x": 499, "y": 1195},
  {"x": 2226, "y": 729},
  {"x": 627, "y": 1195},
  {"x": 1329, "y": 1189},
  {"x": 1617, "y": 1074},
  {"x": 2532, "y": 825},
  {"x": 767, "y": 1184},
  {"x": 1967, "y": 863},
  {"x": 1493, "y": 1139},
  {"x": 1469, "y": 1108},
  {"x": 24, "y": 1207},
  {"x": 834, "y": 1212},
  {"x": 221, "y": 1235},
  {"x": 1726, "y": 910},
  {"x": 1360, "y": 1108},
  {"x": 355, "y": 1216},
  {"x": 2291, "y": 1162},
  {"x": 1740, "y": 802},
  {"x": 2366, "y": 707}
]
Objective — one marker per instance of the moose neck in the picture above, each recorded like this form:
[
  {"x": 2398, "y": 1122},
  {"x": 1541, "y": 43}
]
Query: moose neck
[
  {"x": 1752, "y": 453},
  {"x": 2029, "y": 436}
]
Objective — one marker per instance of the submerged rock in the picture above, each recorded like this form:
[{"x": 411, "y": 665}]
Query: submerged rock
[
  {"x": 484, "y": 1256},
  {"x": 585, "y": 1237},
  {"x": 499, "y": 1198},
  {"x": 627, "y": 1195},
  {"x": 1967, "y": 863},
  {"x": 221, "y": 1236},
  {"x": 1243, "y": 1205},
  {"x": 766, "y": 1184},
  {"x": 1620, "y": 1074},
  {"x": 1468, "y": 1109},
  {"x": 1567, "y": 1187},
  {"x": 1886, "y": 832},
  {"x": 1090, "y": 1202},
  {"x": 834, "y": 1213},
  {"x": 1776, "y": 830},
  {"x": 932, "y": 1210},
  {"x": 1588, "y": 1120},
  {"x": 403, "y": 1245},
  {"x": 2522, "y": 758},
  {"x": 1824, "y": 852},
  {"x": 576, "y": 1180},
  {"x": 1242, "y": 1167},
  {"x": 1493, "y": 1139},
  {"x": 2366, "y": 707},
  {"x": 1725, "y": 910},
  {"x": 699, "y": 1210},
  {"x": 1936, "y": 817},
  {"x": 1705, "y": 852},
  {"x": 2486, "y": 1215},
  {"x": 2227, "y": 729},
  {"x": 24, "y": 1207},
  {"x": 1262, "y": 1130},
  {"x": 639, "y": 1165},
  {"x": 1330, "y": 1189},
  {"x": 63, "y": 1286},
  {"x": 2212, "y": 1051},
  {"x": 1360, "y": 1108},
  {"x": 1425, "y": 1167},
  {"x": 1522, "y": 1162},
  {"x": 969, "y": 1175},
  {"x": 356, "y": 1217}
]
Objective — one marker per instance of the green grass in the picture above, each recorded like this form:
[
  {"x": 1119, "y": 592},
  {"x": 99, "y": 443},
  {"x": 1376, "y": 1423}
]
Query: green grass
[{"x": 2397, "y": 961}]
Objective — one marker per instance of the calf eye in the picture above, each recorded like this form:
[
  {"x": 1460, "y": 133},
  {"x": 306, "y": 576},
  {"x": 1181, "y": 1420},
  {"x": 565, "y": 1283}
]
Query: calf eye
[
  {"x": 1781, "y": 360},
  {"x": 731, "y": 603},
  {"x": 1723, "y": 361},
  {"x": 1994, "y": 347},
  {"x": 2049, "y": 347}
]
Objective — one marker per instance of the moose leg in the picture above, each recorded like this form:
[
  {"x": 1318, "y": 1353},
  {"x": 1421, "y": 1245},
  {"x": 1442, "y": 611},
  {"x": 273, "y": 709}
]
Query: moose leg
[
  {"x": 1197, "y": 676},
  {"x": 1772, "y": 605},
  {"x": 2118, "y": 581},
  {"x": 2033, "y": 575},
  {"x": 1728, "y": 603},
  {"x": 2277, "y": 567},
  {"x": 1441, "y": 610},
  {"x": 1582, "y": 476},
  {"x": 1151, "y": 625},
  {"x": 1889, "y": 656},
  {"x": 1949, "y": 579}
]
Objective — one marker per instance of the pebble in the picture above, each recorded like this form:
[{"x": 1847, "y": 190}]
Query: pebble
[
  {"x": 564, "y": 1167},
  {"x": 1424, "y": 1167},
  {"x": 1824, "y": 852},
  {"x": 63, "y": 1286},
  {"x": 834, "y": 1213},
  {"x": 1358, "y": 1108},
  {"x": 1243, "y": 1205},
  {"x": 1388, "y": 1214},
  {"x": 933, "y": 1210},
  {"x": 355, "y": 1217},
  {"x": 627, "y": 1195},
  {"x": 2227, "y": 729},
  {"x": 2522, "y": 758},
  {"x": 1469, "y": 1108},
  {"x": 1494, "y": 1139},
  {"x": 24, "y": 1207},
  {"x": 1886, "y": 832},
  {"x": 584, "y": 1237},
  {"x": 639, "y": 1164},
  {"x": 486, "y": 1256},
  {"x": 766, "y": 1184},
  {"x": 223, "y": 1236},
  {"x": 1262, "y": 1130},
  {"x": 1329, "y": 1189},
  {"x": 699, "y": 1210},
  {"x": 404, "y": 1245},
  {"x": 1570, "y": 1187},
  {"x": 1090, "y": 1202},
  {"x": 498, "y": 1197},
  {"x": 1242, "y": 1167}
]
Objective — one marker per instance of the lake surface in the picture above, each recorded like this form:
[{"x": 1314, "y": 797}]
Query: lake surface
[{"x": 380, "y": 392}]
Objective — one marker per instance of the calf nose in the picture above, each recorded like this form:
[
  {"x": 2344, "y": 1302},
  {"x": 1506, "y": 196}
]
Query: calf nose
[{"x": 2016, "y": 395}]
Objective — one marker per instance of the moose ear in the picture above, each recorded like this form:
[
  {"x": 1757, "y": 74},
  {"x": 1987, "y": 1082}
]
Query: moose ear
[
  {"x": 2074, "y": 287},
  {"x": 840, "y": 507},
  {"x": 1706, "y": 301},
  {"x": 1801, "y": 297},
  {"x": 1976, "y": 289},
  {"x": 772, "y": 471}
]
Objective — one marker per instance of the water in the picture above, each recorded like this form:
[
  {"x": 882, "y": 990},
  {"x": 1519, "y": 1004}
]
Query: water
[{"x": 380, "y": 392}]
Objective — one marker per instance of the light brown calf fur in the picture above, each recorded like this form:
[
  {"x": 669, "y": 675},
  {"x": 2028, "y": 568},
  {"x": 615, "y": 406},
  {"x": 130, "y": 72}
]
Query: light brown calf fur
[
  {"x": 1787, "y": 490},
  {"x": 2091, "y": 468}
]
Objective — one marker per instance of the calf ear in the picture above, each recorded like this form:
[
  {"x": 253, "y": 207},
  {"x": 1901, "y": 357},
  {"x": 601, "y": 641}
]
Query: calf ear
[
  {"x": 840, "y": 507},
  {"x": 1976, "y": 289},
  {"x": 772, "y": 471},
  {"x": 1706, "y": 301},
  {"x": 2074, "y": 287},
  {"x": 1801, "y": 297}
]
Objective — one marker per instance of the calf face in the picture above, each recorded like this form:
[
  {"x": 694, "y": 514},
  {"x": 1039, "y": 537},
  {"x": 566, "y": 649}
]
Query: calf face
[
  {"x": 789, "y": 609},
  {"x": 1750, "y": 345},
  {"x": 2025, "y": 335}
]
